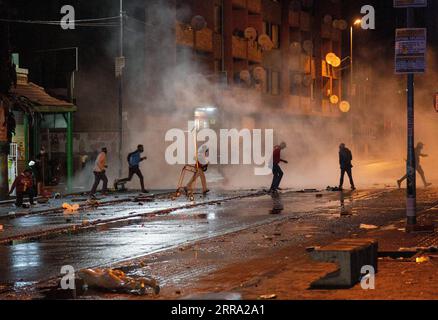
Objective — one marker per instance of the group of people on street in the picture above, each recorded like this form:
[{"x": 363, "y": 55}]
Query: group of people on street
[
  {"x": 134, "y": 159},
  {"x": 25, "y": 183}
]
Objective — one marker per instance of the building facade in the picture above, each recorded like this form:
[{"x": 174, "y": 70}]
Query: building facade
[{"x": 269, "y": 50}]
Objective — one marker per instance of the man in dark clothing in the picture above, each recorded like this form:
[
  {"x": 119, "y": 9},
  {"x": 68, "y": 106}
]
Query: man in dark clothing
[
  {"x": 345, "y": 158},
  {"x": 418, "y": 155},
  {"x": 23, "y": 185},
  {"x": 276, "y": 169},
  {"x": 134, "y": 160}
]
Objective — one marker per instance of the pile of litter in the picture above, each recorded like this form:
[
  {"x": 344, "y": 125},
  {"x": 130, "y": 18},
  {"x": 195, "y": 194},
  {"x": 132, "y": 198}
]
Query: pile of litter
[
  {"x": 70, "y": 208},
  {"x": 117, "y": 281}
]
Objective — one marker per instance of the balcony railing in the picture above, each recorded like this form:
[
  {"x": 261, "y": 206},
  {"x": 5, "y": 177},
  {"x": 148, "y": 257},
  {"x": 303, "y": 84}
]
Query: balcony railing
[
  {"x": 254, "y": 52},
  {"x": 240, "y": 48},
  {"x": 185, "y": 36},
  {"x": 204, "y": 40}
]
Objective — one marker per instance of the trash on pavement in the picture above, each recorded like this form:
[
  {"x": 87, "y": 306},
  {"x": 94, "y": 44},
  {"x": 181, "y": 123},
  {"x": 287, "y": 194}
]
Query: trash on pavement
[
  {"x": 70, "y": 208},
  {"x": 116, "y": 280},
  {"x": 368, "y": 226},
  {"x": 43, "y": 200},
  {"x": 422, "y": 259},
  {"x": 268, "y": 297}
]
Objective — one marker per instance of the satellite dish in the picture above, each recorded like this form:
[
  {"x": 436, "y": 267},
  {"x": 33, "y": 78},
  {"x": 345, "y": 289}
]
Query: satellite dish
[
  {"x": 334, "y": 99},
  {"x": 295, "y": 47},
  {"x": 198, "y": 23},
  {"x": 333, "y": 60},
  {"x": 308, "y": 46},
  {"x": 344, "y": 106},
  {"x": 259, "y": 73},
  {"x": 250, "y": 34},
  {"x": 307, "y": 80},
  {"x": 266, "y": 42},
  {"x": 343, "y": 25},
  {"x": 245, "y": 76},
  {"x": 328, "y": 19}
]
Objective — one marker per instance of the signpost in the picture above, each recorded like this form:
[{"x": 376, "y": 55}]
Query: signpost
[
  {"x": 410, "y": 58},
  {"x": 410, "y": 51}
]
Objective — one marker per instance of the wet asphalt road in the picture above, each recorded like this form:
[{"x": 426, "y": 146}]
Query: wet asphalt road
[{"x": 23, "y": 264}]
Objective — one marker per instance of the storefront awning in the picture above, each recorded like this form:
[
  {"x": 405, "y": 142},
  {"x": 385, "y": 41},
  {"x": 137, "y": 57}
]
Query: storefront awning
[{"x": 42, "y": 101}]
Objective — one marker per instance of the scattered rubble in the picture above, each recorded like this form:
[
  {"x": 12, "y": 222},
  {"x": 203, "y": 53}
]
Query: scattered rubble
[
  {"x": 368, "y": 227},
  {"x": 70, "y": 208},
  {"x": 268, "y": 297},
  {"x": 116, "y": 280},
  {"x": 422, "y": 259}
]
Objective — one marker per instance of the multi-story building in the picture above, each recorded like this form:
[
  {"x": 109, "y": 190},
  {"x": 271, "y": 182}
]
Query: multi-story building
[{"x": 271, "y": 52}]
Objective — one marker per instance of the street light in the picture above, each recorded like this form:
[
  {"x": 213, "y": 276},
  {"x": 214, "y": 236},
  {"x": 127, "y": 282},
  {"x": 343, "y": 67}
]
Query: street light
[{"x": 356, "y": 23}]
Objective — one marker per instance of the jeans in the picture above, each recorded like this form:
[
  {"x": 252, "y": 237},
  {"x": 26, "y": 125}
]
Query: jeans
[
  {"x": 99, "y": 176},
  {"x": 350, "y": 176},
  {"x": 20, "y": 196},
  {"x": 278, "y": 176},
  {"x": 134, "y": 170}
]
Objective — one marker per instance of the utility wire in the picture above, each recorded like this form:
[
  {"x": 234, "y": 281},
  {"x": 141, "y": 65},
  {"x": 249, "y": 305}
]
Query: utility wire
[{"x": 56, "y": 21}]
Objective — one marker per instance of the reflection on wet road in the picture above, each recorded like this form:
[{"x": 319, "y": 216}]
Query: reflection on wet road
[{"x": 43, "y": 260}]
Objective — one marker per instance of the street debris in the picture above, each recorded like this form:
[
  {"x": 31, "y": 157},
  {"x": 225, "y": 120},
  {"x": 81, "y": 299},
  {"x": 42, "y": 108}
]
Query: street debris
[
  {"x": 117, "y": 281},
  {"x": 70, "y": 208},
  {"x": 268, "y": 297},
  {"x": 43, "y": 200},
  {"x": 422, "y": 259},
  {"x": 93, "y": 203},
  {"x": 368, "y": 227}
]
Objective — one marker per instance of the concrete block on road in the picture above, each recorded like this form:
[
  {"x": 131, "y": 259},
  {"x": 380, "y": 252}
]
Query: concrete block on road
[{"x": 351, "y": 255}]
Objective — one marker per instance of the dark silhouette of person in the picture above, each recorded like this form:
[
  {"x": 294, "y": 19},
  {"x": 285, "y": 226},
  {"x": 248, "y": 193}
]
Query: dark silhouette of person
[
  {"x": 276, "y": 169},
  {"x": 418, "y": 156},
  {"x": 134, "y": 160},
  {"x": 345, "y": 158}
]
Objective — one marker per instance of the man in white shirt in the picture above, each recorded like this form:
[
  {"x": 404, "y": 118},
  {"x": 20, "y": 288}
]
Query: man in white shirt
[{"x": 99, "y": 170}]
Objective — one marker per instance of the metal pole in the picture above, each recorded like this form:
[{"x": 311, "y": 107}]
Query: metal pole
[
  {"x": 351, "y": 87},
  {"x": 69, "y": 152},
  {"x": 121, "y": 92},
  {"x": 411, "y": 196}
]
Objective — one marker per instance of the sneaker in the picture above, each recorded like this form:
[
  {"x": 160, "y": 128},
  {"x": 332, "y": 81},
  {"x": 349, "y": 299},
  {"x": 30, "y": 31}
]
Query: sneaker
[
  {"x": 144, "y": 191},
  {"x": 353, "y": 188},
  {"x": 205, "y": 192}
]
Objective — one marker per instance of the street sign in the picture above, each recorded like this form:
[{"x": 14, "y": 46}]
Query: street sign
[
  {"x": 410, "y": 3},
  {"x": 410, "y": 50}
]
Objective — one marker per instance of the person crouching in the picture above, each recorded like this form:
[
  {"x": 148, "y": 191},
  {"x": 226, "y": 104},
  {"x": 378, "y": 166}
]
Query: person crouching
[{"x": 23, "y": 185}]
